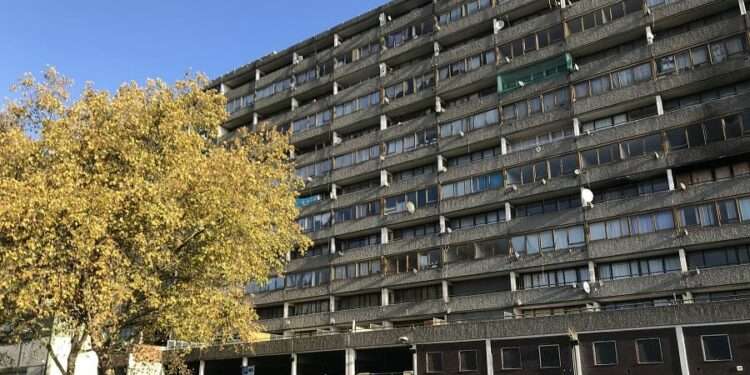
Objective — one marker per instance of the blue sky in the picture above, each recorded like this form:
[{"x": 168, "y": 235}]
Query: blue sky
[{"x": 110, "y": 42}]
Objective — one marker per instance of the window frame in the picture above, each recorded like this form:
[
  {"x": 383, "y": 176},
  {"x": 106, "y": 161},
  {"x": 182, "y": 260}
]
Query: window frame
[
  {"x": 427, "y": 363},
  {"x": 729, "y": 344},
  {"x": 461, "y": 364},
  {"x": 594, "y": 351},
  {"x": 502, "y": 358},
  {"x": 638, "y": 352},
  {"x": 559, "y": 356}
]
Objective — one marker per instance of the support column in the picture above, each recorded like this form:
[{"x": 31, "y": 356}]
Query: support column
[
  {"x": 670, "y": 179},
  {"x": 201, "y": 367},
  {"x": 441, "y": 167},
  {"x": 384, "y": 297},
  {"x": 743, "y": 8},
  {"x": 446, "y": 298},
  {"x": 682, "y": 351},
  {"x": 244, "y": 361},
  {"x": 294, "y": 364},
  {"x": 488, "y": 354},
  {"x": 443, "y": 224},
  {"x": 659, "y": 105},
  {"x": 577, "y": 364},
  {"x": 384, "y": 235},
  {"x": 683, "y": 261},
  {"x": 513, "y": 281},
  {"x": 333, "y": 193},
  {"x": 687, "y": 297},
  {"x": 286, "y": 310},
  {"x": 592, "y": 272},
  {"x": 414, "y": 361},
  {"x": 351, "y": 358},
  {"x": 384, "y": 178},
  {"x": 332, "y": 304},
  {"x": 383, "y": 122},
  {"x": 332, "y": 245},
  {"x": 508, "y": 212},
  {"x": 503, "y": 146},
  {"x": 576, "y": 127}
]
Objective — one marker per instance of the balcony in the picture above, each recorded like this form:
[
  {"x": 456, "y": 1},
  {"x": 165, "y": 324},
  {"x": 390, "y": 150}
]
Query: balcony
[
  {"x": 664, "y": 240},
  {"x": 465, "y": 50},
  {"x": 466, "y": 79}
]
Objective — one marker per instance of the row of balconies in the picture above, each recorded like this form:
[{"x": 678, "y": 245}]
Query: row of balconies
[
  {"x": 596, "y": 251},
  {"x": 596, "y": 174},
  {"x": 635, "y": 21},
  {"x": 733, "y": 70},
  {"x": 656, "y": 285}
]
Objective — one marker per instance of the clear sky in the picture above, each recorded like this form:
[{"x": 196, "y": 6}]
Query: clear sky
[{"x": 112, "y": 41}]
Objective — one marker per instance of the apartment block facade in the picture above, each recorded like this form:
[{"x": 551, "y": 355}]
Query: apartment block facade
[{"x": 510, "y": 186}]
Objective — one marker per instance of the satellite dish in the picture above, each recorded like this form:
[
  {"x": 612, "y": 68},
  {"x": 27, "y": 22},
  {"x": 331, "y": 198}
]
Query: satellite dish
[
  {"x": 500, "y": 24},
  {"x": 587, "y": 287},
  {"x": 587, "y": 196},
  {"x": 410, "y": 207}
]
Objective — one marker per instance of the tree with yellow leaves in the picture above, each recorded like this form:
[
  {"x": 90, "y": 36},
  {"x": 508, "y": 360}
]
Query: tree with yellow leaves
[{"x": 124, "y": 220}]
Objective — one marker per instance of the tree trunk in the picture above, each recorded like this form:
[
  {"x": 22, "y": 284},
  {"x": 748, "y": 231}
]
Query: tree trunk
[{"x": 76, "y": 342}]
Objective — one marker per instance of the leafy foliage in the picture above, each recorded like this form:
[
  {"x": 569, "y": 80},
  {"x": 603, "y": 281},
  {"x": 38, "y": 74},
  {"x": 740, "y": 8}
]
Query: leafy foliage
[{"x": 126, "y": 220}]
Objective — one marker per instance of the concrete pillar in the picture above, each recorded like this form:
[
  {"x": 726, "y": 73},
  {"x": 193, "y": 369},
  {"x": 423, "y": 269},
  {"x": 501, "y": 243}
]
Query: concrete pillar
[
  {"x": 336, "y": 40},
  {"x": 384, "y": 235},
  {"x": 201, "y": 367},
  {"x": 414, "y": 359},
  {"x": 488, "y": 354},
  {"x": 508, "y": 211},
  {"x": 383, "y": 122},
  {"x": 288, "y": 256},
  {"x": 577, "y": 364},
  {"x": 682, "y": 351},
  {"x": 670, "y": 179},
  {"x": 334, "y": 194},
  {"x": 446, "y": 297},
  {"x": 384, "y": 297},
  {"x": 332, "y": 245},
  {"x": 743, "y": 8},
  {"x": 439, "y": 105},
  {"x": 382, "y": 19},
  {"x": 513, "y": 281},
  {"x": 443, "y": 224},
  {"x": 256, "y": 119},
  {"x": 659, "y": 105},
  {"x": 592, "y": 272},
  {"x": 384, "y": 178},
  {"x": 257, "y": 74},
  {"x": 244, "y": 361},
  {"x": 650, "y": 35},
  {"x": 351, "y": 358},
  {"x": 332, "y": 303},
  {"x": 441, "y": 164},
  {"x": 687, "y": 297},
  {"x": 497, "y": 25},
  {"x": 295, "y": 104},
  {"x": 683, "y": 261},
  {"x": 294, "y": 363},
  {"x": 286, "y": 309},
  {"x": 436, "y": 48},
  {"x": 576, "y": 127},
  {"x": 335, "y": 88},
  {"x": 335, "y": 139},
  {"x": 503, "y": 146},
  {"x": 517, "y": 313}
]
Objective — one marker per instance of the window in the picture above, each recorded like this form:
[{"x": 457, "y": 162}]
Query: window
[
  {"x": 532, "y": 42},
  {"x": 549, "y": 356},
  {"x": 637, "y": 268},
  {"x": 470, "y": 123},
  {"x": 511, "y": 358},
  {"x": 466, "y": 65},
  {"x": 554, "y": 278},
  {"x": 358, "y": 301},
  {"x": 434, "y": 362},
  {"x": 410, "y": 86},
  {"x": 467, "y": 360},
  {"x": 648, "y": 351},
  {"x": 716, "y": 348},
  {"x": 549, "y": 101},
  {"x": 558, "y": 239},
  {"x": 420, "y": 198},
  {"x": 616, "y": 80},
  {"x": 475, "y": 220},
  {"x": 540, "y": 139},
  {"x": 720, "y": 257},
  {"x": 411, "y": 142},
  {"x": 701, "y": 215},
  {"x": 473, "y": 185},
  {"x": 605, "y": 353},
  {"x": 418, "y": 294},
  {"x": 305, "y": 308},
  {"x": 633, "y": 225},
  {"x": 357, "y": 104},
  {"x": 604, "y": 15}
]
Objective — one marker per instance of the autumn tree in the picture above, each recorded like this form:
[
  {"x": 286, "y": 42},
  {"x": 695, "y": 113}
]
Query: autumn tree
[{"x": 123, "y": 219}]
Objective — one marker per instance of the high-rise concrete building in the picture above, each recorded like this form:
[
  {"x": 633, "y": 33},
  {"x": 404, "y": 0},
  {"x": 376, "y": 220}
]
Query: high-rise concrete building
[{"x": 520, "y": 186}]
